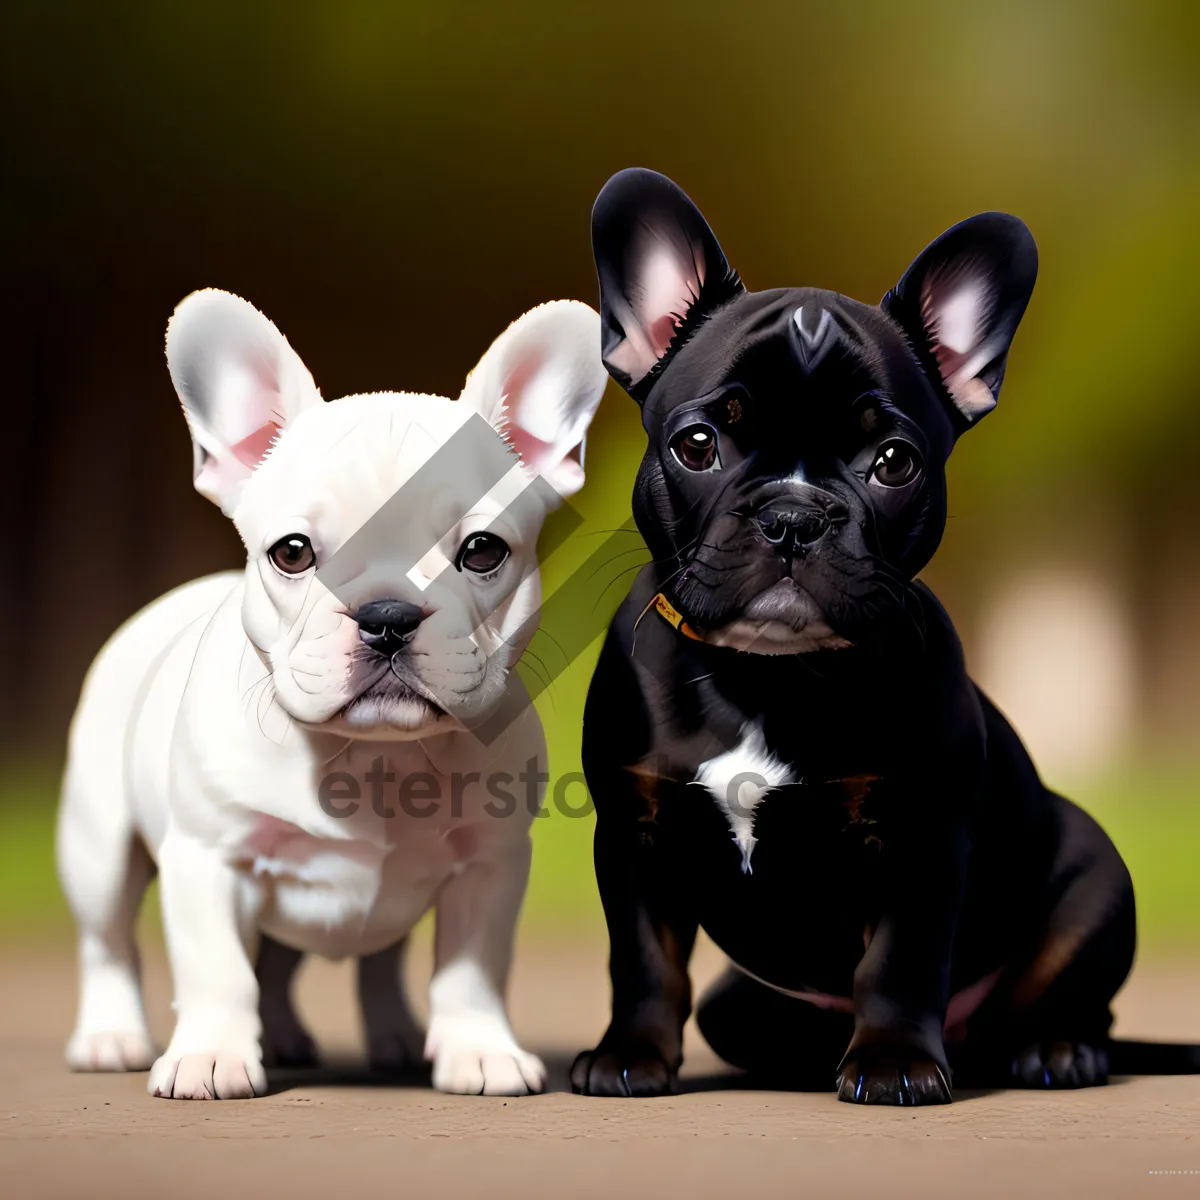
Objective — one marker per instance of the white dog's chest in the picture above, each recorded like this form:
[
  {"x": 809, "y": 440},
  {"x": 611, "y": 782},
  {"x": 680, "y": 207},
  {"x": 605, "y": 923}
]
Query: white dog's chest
[
  {"x": 341, "y": 897},
  {"x": 340, "y": 853}
]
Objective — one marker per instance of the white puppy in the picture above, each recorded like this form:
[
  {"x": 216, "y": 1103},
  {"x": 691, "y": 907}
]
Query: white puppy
[{"x": 317, "y": 750}]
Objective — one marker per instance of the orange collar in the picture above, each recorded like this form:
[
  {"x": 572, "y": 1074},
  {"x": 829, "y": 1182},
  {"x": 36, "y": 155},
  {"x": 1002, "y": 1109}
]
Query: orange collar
[{"x": 673, "y": 617}]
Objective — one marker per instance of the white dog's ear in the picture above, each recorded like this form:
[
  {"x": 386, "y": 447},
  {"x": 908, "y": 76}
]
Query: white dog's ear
[
  {"x": 539, "y": 385},
  {"x": 239, "y": 382}
]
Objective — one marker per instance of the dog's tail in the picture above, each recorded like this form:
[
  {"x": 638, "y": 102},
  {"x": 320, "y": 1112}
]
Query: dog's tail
[{"x": 1153, "y": 1058}]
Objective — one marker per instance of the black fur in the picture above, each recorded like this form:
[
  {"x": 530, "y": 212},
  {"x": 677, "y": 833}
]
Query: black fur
[{"x": 914, "y": 854}]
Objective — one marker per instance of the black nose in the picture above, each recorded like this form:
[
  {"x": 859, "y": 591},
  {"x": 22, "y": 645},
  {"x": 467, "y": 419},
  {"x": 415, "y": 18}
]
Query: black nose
[
  {"x": 794, "y": 528},
  {"x": 387, "y": 625}
]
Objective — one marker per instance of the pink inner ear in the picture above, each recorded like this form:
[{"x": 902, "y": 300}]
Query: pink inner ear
[
  {"x": 517, "y": 380},
  {"x": 539, "y": 456},
  {"x": 947, "y": 350},
  {"x": 530, "y": 448},
  {"x": 955, "y": 311},
  {"x": 251, "y": 450},
  {"x": 671, "y": 278},
  {"x": 661, "y": 332},
  {"x": 956, "y": 306},
  {"x": 533, "y": 451}
]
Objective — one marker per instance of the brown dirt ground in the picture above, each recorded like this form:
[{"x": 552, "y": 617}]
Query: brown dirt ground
[{"x": 101, "y": 1135}]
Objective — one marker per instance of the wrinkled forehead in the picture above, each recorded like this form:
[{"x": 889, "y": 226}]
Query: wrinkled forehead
[
  {"x": 399, "y": 428},
  {"x": 799, "y": 353},
  {"x": 350, "y": 458}
]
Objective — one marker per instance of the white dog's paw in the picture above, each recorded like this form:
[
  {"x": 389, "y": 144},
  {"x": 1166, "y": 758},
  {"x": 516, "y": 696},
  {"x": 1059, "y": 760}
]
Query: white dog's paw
[
  {"x": 215, "y": 1075},
  {"x": 478, "y": 1057},
  {"x": 474, "y": 1073},
  {"x": 113, "y": 1050}
]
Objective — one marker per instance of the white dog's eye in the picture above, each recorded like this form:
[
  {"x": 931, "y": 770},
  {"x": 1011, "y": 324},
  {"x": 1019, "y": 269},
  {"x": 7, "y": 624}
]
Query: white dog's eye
[
  {"x": 482, "y": 554},
  {"x": 292, "y": 555}
]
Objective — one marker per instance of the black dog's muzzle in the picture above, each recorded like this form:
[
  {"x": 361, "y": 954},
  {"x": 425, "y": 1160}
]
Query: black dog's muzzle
[{"x": 796, "y": 518}]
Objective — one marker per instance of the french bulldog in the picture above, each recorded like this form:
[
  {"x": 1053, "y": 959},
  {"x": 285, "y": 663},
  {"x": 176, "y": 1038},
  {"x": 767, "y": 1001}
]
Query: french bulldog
[
  {"x": 781, "y": 740},
  {"x": 295, "y": 747}
]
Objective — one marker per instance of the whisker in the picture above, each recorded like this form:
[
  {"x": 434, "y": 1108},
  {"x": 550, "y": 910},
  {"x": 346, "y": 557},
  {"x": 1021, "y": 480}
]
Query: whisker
[
  {"x": 615, "y": 579},
  {"x": 257, "y": 683},
  {"x": 541, "y": 673},
  {"x": 547, "y": 633},
  {"x": 598, "y": 532},
  {"x": 619, "y": 554}
]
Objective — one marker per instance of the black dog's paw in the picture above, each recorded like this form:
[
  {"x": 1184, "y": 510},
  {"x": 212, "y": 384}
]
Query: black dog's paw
[
  {"x": 1061, "y": 1065},
  {"x": 291, "y": 1049},
  {"x": 892, "y": 1077},
  {"x": 615, "y": 1070}
]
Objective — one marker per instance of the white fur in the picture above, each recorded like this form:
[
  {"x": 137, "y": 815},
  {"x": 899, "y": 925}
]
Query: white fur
[
  {"x": 739, "y": 779},
  {"x": 209, "y": 721}
]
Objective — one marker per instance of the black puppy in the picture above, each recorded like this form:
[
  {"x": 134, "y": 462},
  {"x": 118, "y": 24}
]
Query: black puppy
[{"x": 781, "y": 739}]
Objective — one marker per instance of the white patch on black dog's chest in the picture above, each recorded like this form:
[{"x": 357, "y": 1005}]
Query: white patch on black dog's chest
[{"x": 739, "y": 779}]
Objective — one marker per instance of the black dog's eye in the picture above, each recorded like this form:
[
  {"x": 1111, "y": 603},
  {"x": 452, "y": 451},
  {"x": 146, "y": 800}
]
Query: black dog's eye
[
  {"x": 292, "y": 555},
  {"x": 482, "y": 553},
  {"x": 898, "y": 463},
  {"x": 696, "y": 448}
]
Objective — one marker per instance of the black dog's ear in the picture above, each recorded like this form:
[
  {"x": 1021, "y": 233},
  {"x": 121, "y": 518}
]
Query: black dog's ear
[
  {"x": 660, "y": 270},
  {"x": 960, "y": 303}
]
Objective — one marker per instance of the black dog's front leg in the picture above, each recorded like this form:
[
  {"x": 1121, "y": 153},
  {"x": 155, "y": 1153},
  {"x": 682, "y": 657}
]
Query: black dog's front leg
[
  {"x": 651, "y": 928},
  {"x": 651, "y": 937},
  {"x": 901, "y": 986}
]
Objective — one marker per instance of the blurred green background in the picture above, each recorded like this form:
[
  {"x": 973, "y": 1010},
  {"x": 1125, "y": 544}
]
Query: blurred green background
[{"x": 393, "y": 183}]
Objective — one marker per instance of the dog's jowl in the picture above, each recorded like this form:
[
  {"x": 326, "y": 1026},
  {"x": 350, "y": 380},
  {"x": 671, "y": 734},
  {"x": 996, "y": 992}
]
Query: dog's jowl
[
  {"x": 297, "y": 747},
  {"x": 781, "y": 740}
]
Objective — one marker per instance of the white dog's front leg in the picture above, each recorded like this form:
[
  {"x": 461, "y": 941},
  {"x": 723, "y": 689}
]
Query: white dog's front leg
[
  {"x": 215, "y": 1053},
  {"x": 470, "y": 1042}
]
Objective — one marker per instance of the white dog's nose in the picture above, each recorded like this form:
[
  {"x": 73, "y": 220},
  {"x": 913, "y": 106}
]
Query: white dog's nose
[{"x": 387, "y": 625}]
